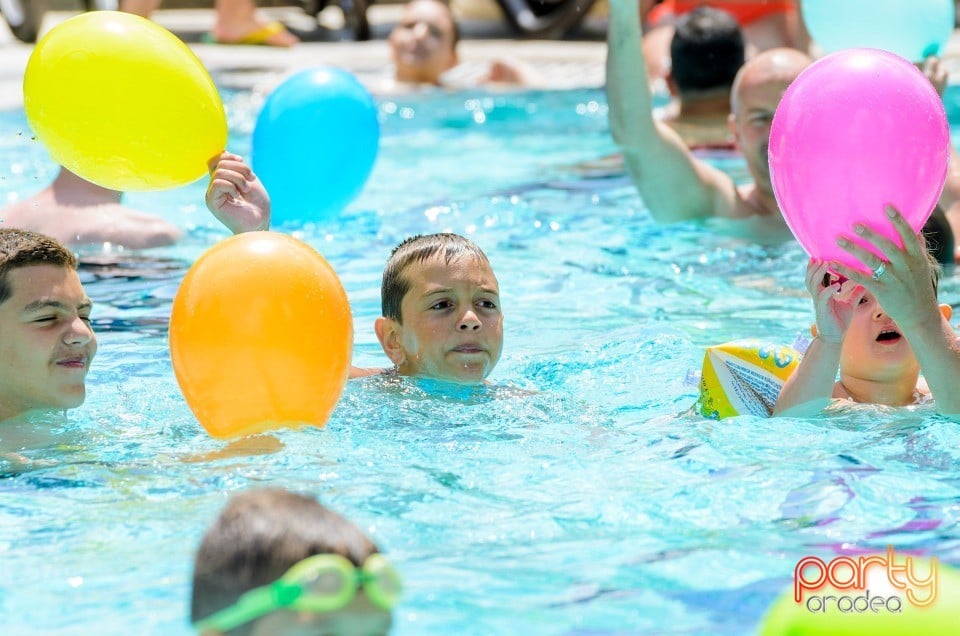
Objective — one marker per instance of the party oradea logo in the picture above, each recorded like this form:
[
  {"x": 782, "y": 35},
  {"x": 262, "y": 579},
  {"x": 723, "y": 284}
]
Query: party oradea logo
[{"x": 874, "y": 584}]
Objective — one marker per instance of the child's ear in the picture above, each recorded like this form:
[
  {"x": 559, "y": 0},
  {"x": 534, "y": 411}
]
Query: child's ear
[
  {"x": 947, "y": 311},
  {"x": 389, "y": 333}
]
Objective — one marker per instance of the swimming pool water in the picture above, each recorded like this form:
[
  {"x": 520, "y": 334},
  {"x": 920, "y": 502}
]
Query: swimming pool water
[{"x": 597, "y": 504}]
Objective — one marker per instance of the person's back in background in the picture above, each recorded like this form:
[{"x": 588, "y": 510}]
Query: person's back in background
[
  {"x": 706, "y": 50},
  {"x": 766, "y": 24}
]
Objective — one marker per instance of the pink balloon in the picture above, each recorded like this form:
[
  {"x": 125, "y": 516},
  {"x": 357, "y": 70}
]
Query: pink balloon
[{"x": 855, "y": 131}]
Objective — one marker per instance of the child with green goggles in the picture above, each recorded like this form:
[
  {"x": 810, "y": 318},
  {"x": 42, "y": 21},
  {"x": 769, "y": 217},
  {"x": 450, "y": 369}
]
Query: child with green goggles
[
  {"x": 237, "y": 590},
  {"x": 319, "y": 584}
]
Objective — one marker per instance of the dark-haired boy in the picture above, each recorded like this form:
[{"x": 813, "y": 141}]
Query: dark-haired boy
[
  {"x": 441, "y": 310},
  {"x": 46, "y": 343}
]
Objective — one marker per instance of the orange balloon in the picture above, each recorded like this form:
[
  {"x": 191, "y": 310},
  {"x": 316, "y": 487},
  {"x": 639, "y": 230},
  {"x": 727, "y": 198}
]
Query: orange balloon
[{"x": 261, "y": 335}]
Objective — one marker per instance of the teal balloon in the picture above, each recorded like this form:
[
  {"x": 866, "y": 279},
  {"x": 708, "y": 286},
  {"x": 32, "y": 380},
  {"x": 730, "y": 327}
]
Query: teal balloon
[
  {"x": 912, "y": 29},
  {"x": 314, "y": 144}
]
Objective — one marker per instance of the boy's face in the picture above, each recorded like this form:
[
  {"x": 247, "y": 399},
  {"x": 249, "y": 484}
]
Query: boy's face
[
  {"x": 422, "y": 42},
  {"x": 873, "y": 347},
  {"x": 46, "y": 343},
  {"x": 452, "y": 326},
  {"x": 359, "y": 618}
]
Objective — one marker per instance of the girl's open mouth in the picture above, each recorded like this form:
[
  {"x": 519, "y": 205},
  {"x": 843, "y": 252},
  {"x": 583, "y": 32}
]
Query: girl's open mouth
[{"x": 889, "y": 335}]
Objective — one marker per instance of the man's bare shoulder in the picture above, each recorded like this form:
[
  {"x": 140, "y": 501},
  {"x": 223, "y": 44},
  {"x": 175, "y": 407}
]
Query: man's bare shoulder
[
  {"x": 747, "y": 203},
  {"x": 729, "y": 201},
  {"x": 91, "y": 225}
]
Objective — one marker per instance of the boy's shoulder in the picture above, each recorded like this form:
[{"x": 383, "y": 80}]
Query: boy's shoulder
[{"x": 366, "y": 372}]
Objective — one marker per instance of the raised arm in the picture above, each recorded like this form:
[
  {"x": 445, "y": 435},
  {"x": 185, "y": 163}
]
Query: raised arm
[
  {"x": 811, "y": 386},
  {"x": 673, "y": 184},
  {"x": 236, "y": 196},
  {"x": 935, "y": 345}
]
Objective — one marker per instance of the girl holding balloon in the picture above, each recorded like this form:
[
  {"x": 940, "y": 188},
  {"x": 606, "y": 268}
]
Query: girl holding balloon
[{"x": 880, "y": 328}]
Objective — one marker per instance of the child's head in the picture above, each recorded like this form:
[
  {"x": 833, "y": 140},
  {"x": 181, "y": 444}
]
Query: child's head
[
  {"x": 243, "y": 583},
  {"x": 441, "y": 309},
  {"x": 874, "y": 349},
  {"x": 424, "y": 42},
  {"x": 46, "y": 343}
]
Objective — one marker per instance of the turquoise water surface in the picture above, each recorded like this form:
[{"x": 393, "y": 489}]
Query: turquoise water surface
[{"x": 596, "y": 503}]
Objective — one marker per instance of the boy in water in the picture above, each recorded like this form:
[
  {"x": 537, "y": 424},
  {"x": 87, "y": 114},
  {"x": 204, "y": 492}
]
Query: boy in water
[
  {"x": 707, "y": 52},
  {"x": 423, "y": 44},
  {"x": 881, "y": 330},
  {"x": 439, "y": 296},
  {"x": 46, "y": 342},
  {"x": 423, "y": 47},
  {"x": 441, "y": 310},
  {"x": 277, "y": 563}
]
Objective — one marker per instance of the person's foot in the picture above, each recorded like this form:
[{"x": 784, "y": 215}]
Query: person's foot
[
  {"x": 265, "y": 33},
  {"x": 142, "y": 8}
]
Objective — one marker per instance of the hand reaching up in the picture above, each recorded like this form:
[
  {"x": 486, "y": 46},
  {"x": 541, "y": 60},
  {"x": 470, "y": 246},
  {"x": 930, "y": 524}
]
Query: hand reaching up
[
  {"x": 834, "y": 301},
  {"x": 236, "y": 196}
]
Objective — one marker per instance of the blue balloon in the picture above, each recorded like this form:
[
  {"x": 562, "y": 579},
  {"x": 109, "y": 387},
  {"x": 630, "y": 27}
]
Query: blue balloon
[
  {"x": 913, "y": 29},
  {"x": 315, "y": 143}
]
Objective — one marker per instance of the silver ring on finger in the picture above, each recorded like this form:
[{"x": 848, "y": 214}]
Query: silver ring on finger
[{"x": 879, "y": 270}]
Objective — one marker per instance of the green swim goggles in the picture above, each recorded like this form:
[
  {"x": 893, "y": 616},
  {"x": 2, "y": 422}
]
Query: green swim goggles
[{"x": 318, "y": 584}]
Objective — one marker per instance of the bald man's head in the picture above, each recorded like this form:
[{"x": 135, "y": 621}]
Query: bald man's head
[
  {"x": 756, "y": 93},
  {"x": 776, "y": 67}
]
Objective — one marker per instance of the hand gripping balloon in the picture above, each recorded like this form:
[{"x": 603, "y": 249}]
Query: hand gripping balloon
[{"x": 855, "y": 131}]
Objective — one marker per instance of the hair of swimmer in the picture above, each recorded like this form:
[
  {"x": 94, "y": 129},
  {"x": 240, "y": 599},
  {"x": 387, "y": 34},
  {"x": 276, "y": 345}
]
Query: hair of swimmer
[
  {"x": 456, "y": 27},
  {"x": 419, "y": 249},
  {"x": 22, "y": 248},
  {"x": 259, "y": 535},
  {"x": 453, "y": 20},
  {"x": 941, "y": 244},
  {"x": 706, "y": 51}
]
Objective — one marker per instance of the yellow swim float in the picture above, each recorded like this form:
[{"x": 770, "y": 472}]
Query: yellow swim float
[{"x": 744, "y": 377}]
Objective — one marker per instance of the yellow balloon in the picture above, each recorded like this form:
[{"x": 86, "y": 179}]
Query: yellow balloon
[
  {"x": 123, "y": 103},
  {"x": 261, "y": 335}
]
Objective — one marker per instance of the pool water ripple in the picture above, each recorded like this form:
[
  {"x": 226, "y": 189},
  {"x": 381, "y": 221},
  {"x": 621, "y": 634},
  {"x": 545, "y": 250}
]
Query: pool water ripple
[{"x": 578, "y": 494}]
